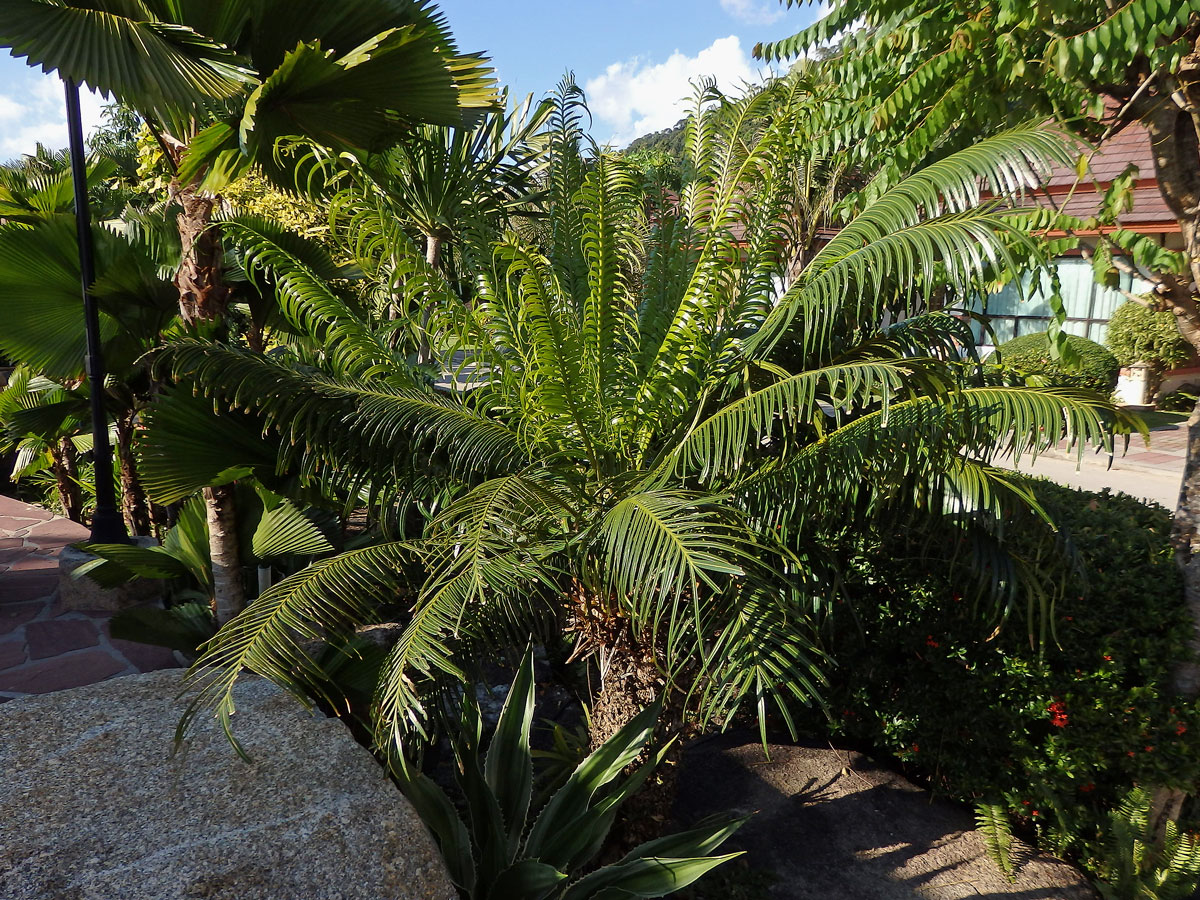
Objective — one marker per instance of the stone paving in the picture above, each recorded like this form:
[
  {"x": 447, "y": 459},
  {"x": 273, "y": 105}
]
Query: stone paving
[{"x": 44, "y": 647}]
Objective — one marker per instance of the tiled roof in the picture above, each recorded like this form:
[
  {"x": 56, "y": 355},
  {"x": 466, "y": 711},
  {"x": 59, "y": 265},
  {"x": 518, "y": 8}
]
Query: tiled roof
[{"x": 1130, "y": 146}]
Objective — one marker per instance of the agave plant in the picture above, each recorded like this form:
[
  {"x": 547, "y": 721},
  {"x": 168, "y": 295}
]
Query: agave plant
[
  {"x": 637, "y": 460},
  {"x": 508, "y": 849}
]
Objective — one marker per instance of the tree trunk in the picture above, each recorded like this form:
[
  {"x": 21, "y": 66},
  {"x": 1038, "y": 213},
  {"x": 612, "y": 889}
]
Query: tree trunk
[
  {"x": 203, "y": 293},
  {"x": 229, "y": 591},
  {"x": 133, "y": 495},
  {"x": 204, "y": 297},
  {"x": 66, "y": 476},
  {"x": 433, "y": 256}
]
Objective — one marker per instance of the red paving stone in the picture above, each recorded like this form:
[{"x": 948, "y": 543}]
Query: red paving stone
[
  {"x": 31, "y": 563},
  {"x": 13, "y": 616},
  {"x": 60, "y": 673},
  {"x": 47, "y": 639},
  {"x": 12, "y": 653},
  {"x": 44, "y": 647}
]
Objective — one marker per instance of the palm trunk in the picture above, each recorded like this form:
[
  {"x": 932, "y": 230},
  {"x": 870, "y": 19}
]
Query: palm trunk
[
  {"x": 433, "y": 256},
  {"x": 66, "y": 476},
  {"x": 204, "y": 297},
  {"x": 203, "y": 293},
  {"x": 133, "y": 495},
  {"x": 229, "y": 591}
]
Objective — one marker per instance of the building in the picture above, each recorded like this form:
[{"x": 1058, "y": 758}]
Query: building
[{"x": 1089, "y": 305}]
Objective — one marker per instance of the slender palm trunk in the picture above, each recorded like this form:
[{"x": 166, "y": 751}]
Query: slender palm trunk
[
  {"x": 433, "y": 256},
  {"x": 133, "y": 495},
  {"x": 204, "y": 297},
  {"x": 66, "y": 476},
  {"x": 229, "y": 591}
]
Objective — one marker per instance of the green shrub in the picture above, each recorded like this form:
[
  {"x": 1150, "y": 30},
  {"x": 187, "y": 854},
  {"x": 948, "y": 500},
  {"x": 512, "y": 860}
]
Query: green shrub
[
  {"x": 1030, "y": 355},
  {"x": 1181, "y": 400},
  {"x": 1056, "y": 734},
  {"x": 1137, "y": 334}
]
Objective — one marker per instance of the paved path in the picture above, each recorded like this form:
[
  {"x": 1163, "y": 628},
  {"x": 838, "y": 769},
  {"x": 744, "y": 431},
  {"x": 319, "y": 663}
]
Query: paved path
[
  {"x": 1150, "y": 473},
  {"x": 42, "y": 646}
]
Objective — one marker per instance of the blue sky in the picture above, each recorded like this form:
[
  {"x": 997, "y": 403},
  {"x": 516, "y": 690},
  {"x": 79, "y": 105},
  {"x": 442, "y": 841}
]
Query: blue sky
[{"x": 634, "y": 57}]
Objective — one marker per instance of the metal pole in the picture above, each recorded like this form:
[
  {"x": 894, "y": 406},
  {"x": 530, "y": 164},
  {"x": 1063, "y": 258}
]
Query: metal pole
[{"x": 108, "y": 527}]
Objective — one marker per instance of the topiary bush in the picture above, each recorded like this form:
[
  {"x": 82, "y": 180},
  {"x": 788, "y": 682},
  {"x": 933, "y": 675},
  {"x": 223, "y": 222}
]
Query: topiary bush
[
  {"x": 1030, "y": 355},
  {"x": 1137, "y": 334},
  {"x": 1056, "y": 733}
]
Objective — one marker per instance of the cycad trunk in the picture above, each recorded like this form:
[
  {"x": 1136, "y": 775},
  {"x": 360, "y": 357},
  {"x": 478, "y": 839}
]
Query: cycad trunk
[
  {"x": 66, "y": 477},
  {"x": 629, "y": 682},
  {"x": 1174, "y": 129},
  {"x": 229, "y": 591}
]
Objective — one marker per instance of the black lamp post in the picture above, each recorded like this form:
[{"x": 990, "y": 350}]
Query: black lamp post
[{"x": 108, "y": 527}]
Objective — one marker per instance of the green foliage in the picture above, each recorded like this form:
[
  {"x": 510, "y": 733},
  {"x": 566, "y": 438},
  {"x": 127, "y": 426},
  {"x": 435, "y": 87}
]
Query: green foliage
[
  {"x": 184, "y": 627},
  {"x": 641, "y": 447},
  {"x": 234, "y": 84},
  {"x": 1178, "y": 401},
  {"x": 991, "y": 820},
  {"x": 1030, "y": 354},
  {"x": 508, "y": 848},
  {"x": 1137, "y": 333},
  {"x": 1142, "y": 866},
  {"x": 1055, "y": 730}
]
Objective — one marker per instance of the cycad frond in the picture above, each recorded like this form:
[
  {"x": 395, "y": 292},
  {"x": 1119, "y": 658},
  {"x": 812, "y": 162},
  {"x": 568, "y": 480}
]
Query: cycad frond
[{"x": 318, "y": 604}]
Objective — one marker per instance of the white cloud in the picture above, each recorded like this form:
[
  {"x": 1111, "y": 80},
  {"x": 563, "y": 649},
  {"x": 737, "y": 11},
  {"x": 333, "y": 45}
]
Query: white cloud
[
  {"x": 635, "y": 97},
  {"x": 33, "y": 109},
  {"x": 754, "y": 12}
]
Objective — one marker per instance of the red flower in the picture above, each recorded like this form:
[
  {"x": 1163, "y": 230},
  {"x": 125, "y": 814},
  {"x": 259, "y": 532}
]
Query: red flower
[
  {"x": 1058, "y": 714},
  {"x": 1035, "y": 813},
  {"x": 1149, "y": 749},
  {"x": 1180, "y": 728},
  {"x": 1024, "y": 802},
  {"x": 930, "y": 642},
  {"x": 1087, "y": 788},
  {"x": 916, "y": 748},
  {"x": 1107, "y": 658}
]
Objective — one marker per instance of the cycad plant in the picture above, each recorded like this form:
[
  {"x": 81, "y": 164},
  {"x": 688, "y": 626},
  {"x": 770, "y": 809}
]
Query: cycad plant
[{"x": 636, "y": 468}]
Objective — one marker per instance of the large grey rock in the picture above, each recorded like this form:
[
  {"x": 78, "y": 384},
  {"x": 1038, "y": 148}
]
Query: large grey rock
[
  {"x": 83, "y": 593},
  {"x": 832, "y": 825},
  {"x": 94, "y": 807}
]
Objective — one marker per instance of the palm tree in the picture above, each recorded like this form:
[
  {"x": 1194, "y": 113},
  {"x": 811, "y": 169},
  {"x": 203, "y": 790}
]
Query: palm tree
[
  {"x": 39, "y": 283},
  {"x": 437, "y": 182},
  {"x": 638, "y": 469},
  {"x": 231, "y": 84}
]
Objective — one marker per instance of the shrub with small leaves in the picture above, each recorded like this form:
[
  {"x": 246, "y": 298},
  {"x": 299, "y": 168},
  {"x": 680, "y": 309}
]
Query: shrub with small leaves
[
  {"x": 1055, "y": 732},
  {"x": 1138, "y": 334}
]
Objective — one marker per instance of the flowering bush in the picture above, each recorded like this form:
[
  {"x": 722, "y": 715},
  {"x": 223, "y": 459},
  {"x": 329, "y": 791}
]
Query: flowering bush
[{"x": 1056, "y": 732}]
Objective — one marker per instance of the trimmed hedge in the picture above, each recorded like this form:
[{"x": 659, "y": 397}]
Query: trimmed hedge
[{"x": 1030, "y": 355}]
